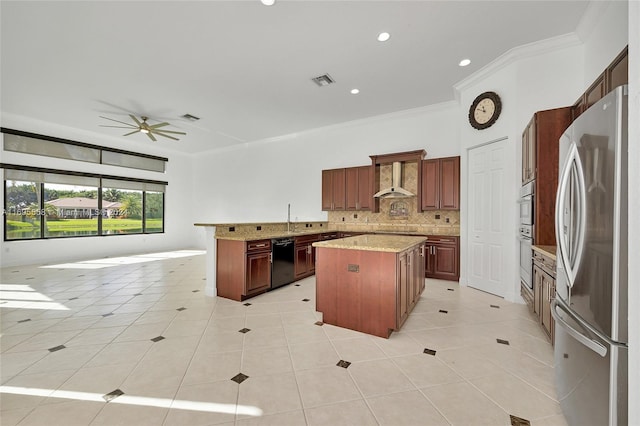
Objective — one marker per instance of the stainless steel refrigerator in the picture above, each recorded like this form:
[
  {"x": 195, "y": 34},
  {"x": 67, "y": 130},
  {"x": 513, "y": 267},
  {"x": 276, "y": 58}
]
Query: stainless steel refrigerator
[{"x": 590, "y": 308}]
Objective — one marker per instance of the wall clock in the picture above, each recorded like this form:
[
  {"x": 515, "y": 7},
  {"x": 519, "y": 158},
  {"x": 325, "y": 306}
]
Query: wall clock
[{"x": 485, "y": 110}]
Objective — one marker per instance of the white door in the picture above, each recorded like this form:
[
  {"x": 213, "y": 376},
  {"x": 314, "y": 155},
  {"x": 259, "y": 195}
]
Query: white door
[{"x": 486, "y": 218}]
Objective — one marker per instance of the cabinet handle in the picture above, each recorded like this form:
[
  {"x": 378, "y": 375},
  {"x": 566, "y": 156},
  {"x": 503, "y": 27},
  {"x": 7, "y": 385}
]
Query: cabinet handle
[
  {"x": 308, "y": 249},
  {"x": 270, "y": 257},
  {"x": 261, "y": 245}
]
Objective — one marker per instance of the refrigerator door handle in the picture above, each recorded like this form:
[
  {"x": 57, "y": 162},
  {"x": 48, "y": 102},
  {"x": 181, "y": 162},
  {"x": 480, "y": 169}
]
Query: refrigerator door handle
[
  {"x": 595, "y": 346},
  {"x": 571, "y": 235}
]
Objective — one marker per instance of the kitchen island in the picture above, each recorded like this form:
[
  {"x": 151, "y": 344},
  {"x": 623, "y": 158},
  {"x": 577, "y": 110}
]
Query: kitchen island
[{"x": 369, "y": 283}]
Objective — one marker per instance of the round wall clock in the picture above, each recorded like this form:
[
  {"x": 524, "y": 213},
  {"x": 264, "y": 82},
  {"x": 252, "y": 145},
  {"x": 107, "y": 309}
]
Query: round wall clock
[{"x": 485, "y": 110}]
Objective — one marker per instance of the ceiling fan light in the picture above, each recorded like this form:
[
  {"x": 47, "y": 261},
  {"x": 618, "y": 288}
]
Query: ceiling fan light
[{"x": 144, "y": 131}]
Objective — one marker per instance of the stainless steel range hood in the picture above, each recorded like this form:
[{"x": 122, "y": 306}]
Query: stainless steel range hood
[{"x": 396, "y": 190}]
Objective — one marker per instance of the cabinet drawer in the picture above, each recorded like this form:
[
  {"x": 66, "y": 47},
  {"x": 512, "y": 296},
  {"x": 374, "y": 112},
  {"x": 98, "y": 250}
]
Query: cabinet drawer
[
  {"x": 545, "y": 263},
  {"x": 305, "y": 239},
  {"x": 260, "y": 245},
  {"x": 329, "y": 236},
  {"x": 436, "y": 239}
]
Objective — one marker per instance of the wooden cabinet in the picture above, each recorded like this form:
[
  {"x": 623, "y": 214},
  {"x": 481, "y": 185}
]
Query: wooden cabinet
[
  {"x": 544, "y": 290},
  {"x": 348, "y": 234},
  {"x": 243, "y": 268},
  {"x": 616, "y": 74},
  {"x": 333, "y": 189},
  {"x": 305, "y": 256},
  {"x": 368, "y": 291},
  {"x": 358, "y": 188},
  {"x": 441, "y": 184},
  {"x": 540, "y": 164},
  {"x": 442, "y": 257}
]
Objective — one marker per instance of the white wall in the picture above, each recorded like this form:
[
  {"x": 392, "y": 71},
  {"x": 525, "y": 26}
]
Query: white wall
[{"x": 179, "y": 230}]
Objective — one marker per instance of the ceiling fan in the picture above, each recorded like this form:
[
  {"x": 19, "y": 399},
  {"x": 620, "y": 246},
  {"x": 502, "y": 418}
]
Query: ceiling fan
[{"x": 151, "y": 130}]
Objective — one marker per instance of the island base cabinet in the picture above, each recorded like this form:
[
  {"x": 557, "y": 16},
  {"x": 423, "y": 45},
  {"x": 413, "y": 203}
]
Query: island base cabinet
[
  {"x": 368, "y": 291},
  {"x": 243, "y": 268}
]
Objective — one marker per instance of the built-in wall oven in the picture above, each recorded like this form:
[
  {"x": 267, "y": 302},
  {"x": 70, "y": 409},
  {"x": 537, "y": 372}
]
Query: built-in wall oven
[{"x": 526, "y": 233}]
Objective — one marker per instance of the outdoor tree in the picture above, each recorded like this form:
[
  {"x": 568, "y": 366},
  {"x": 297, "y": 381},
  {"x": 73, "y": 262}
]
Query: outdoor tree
[{"x": 132, "y": 205}]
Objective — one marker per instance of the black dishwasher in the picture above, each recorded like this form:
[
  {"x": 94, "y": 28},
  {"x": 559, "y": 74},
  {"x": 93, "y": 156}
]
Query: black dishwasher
[{"x": 283, "y": 267}]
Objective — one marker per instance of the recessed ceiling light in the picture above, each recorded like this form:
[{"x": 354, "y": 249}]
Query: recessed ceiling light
[
  {"x": 355, "y": 91},
  {"x": 268, "y": 2},
  {"x": 384, "y": 36},
  {"x": 464, "y": 62}
]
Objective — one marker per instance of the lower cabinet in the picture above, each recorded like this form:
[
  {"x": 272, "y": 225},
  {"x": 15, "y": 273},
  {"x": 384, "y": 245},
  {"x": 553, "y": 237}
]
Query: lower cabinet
[
  {"x": 243, "y": 268},
  {"x": 305, "y": 256},
  {"x": 442, "y": 257},
  {"x": 544, "y": 290},
  {"x": 410, "y": 281}
]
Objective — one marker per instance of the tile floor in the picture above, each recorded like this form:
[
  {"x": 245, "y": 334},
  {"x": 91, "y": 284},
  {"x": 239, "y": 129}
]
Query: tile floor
[{"x": 135, "y": 341}]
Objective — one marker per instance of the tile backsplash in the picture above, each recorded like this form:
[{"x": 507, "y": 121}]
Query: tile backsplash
[{"x": 443, "y": 222}]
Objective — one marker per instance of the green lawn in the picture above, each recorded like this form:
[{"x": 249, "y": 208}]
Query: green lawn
[{"x": 87, "y": 226}]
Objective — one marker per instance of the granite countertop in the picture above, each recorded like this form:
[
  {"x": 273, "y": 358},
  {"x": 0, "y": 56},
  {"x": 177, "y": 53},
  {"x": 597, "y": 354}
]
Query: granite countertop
[
  {"x": 370, "y": 242},
  {"x": 267, "y": 235},
  {"x": 549, "y": 251}
]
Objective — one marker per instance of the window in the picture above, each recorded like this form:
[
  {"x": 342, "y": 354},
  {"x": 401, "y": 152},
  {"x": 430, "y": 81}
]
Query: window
[
  {"x": 43, "y": 204},
  {"x": 22, "y": 209}
]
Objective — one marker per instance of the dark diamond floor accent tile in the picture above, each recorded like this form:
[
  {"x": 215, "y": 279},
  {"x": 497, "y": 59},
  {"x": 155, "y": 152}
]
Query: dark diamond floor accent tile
[
  {"x": 429, "y": 351},
  {"x": 138, "y": 294},
  {"x": 204, "y": 279},
  {"x": 565, "y": 355},
  {"x": 239, "y": 378},
  {"x": 57, "y": 348},
  {"x": 195, "y": 291},
  {"x": 297, "y": 285},
  {"x": 319, "y": 323},
  {"x": 495, "y": 306},
  {"x": 112, "y": 395},
  {"x": 181, "y": 309},
  {"x": 450, "y": 289},
  {"x": 30, "y": 278},
  {"x": 442, "y": 311},
  {"x": 157, "y": 339},
  {"x": 81, "y": 275},
  {"x": 518, "y": 421},
  {"x": 107, "y": 315},
  {"x": 24, "y": 320},
  {"x": 13, "y": 272},
  {"x": 244, "y": 330},
  {"x": 502, "y": 342},
  {"x": 247, "y": 304},
  {"x": 344, "y": 364},
  {"x": 305, "y": 300},
  {"x": 74, "y": 298}
]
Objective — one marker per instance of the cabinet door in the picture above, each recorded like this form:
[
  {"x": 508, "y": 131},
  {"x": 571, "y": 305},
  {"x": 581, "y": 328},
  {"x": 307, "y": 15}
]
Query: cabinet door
[
  {"x": 525, "y": 153},
  {"x": 595, "y": 92},
  {"x": 545, "y": 315},
  {"x": 327, "y": 190},
  {"x": 311, "y": 259},
  {"x": 446, "y": 261},
  {"x": 403, "y": 291},
  {"x": 618, "y": 71},
  {"x": 450, "y": 183},
  {"x": 351, "y": 188},
  {"x": 429, "y": 261},
  {"x": 258, "y": 272},
  {"x": 430, "y": 185},
  {"x": 531, "y": 150},
  {"x": 365, "y": 197},
  {"x": 301, "y": 261},
  {"x": 537, "y": 291},
  {"x": 339, "y": 186}
]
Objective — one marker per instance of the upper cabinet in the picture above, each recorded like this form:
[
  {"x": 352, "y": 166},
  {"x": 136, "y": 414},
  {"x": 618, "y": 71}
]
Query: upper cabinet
[
  {"x": 347, "y": 189},
  {"x": 358, "y": 188},
  {"x": 540, "y": 164},
  {"x": 333, "y": 189},
  {"x": 616, "y": 74},
  {"x": 441, "y": 184}
]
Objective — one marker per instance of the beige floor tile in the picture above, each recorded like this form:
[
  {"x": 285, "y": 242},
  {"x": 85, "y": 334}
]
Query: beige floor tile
[
  {"x": 405, "y": 408},
  {"x": 462, "y": 404},
  {"x": 264, "y": 361},
  {"x": 275, "y": 393},
  {"x": 9, "y": 341},
  {"x": 313, "y": 355},
  {"x": 114, "y": 414},
  {"x": 115, "y": 353},
  {"x": 13, "y": 417},
  {"x": 263, "y": 321},
  {"x": 398, "y": 344},
  {"x": 291, "y": 418},
  {"x": 218, "y": 324},
  {"x": 468, "y": 363},
  {"x": 179, "y": 328},
  {"x": 338, "y": 333},
  {"x": 207, "y": 367},
  {"x": 44, "y": 341},
  {"x": 223, "y": 341},
  {"x": 349, "y": 413},
  {"x": 359, "y": 349},
  {"x": 141, "y": 332},
  {"x": 557, "y": 420},
  {"x": 101, "y": 380},
  {"x": 13, "y": 363},
  {"x": 426, "y": 370},
  {"x": 265, "y": 337},
  {"x": 94, "y": 336},
  {"x": 219, "y": 406},
  {"x": 151, "y": 317},
  {"x": 50, "y": 380},
  {"x": 65, "y": 359},
  {"x": 517, "y": 397},
  {"x": 68, "y": 413},
  {"x": 379, "y": 377},
  {"x": 305, "y": 333},
  {"x": 326, "y": 385}
]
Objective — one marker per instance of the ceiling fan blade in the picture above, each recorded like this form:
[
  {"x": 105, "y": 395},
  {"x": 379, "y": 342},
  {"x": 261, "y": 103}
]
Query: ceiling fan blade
[
  {"x": 155, "y": 126},
  {"x": 135, "y": 131},
  {"x": 168, "y": 131},
  {"x": 151, "y": 137},
  {"x": 133, "y": 117},
  {"x": 118, "y": 121},
  {"x": 118, "y": 127},
  {"x": 167, "y": 136}
]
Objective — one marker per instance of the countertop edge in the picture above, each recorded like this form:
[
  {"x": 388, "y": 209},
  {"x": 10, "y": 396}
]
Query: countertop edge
[{"x": 549, "y": 251}]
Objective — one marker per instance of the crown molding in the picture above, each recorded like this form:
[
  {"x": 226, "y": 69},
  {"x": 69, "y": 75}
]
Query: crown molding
[{"x": 517, "y": 53}]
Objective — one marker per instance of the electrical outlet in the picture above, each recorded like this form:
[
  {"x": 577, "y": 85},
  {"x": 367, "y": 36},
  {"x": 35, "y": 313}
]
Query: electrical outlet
[
  {"x": 447, "y": 220},
  {"x": 343, "y": 219},
  {"x": 437, "y": 216},
  {"x": 355, "y": 215},
  {"x": 258, "y": 228},
  {"x": 232, "y": 229}
]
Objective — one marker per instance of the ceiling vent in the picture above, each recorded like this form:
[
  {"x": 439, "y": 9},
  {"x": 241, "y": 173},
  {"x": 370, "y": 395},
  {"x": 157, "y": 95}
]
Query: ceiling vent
[
  {"x": 323, "y": 80},
  {"x": 190, "y": 117}
]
